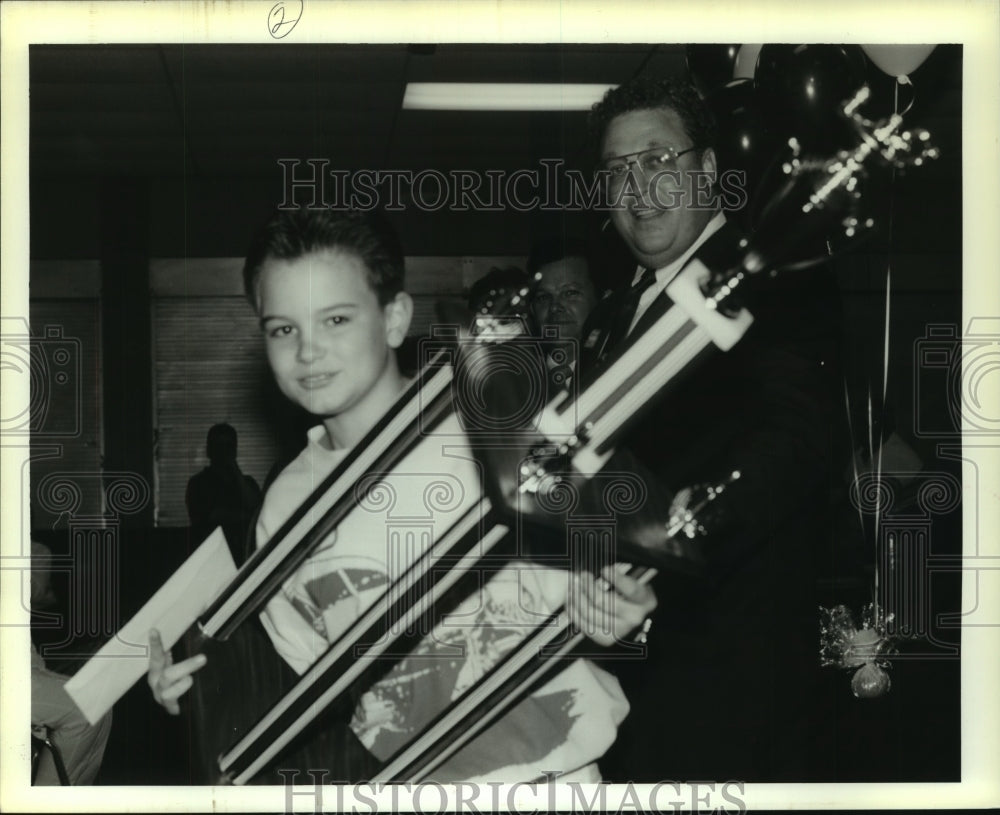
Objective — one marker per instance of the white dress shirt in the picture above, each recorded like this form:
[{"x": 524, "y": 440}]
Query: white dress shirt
[{"x": 669, "y": 272}]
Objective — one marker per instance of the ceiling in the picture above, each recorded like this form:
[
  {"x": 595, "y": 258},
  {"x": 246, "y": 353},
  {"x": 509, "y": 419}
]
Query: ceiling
[
  {"x": 233, "y": 110},
  {"x": 203, "y": 128}
]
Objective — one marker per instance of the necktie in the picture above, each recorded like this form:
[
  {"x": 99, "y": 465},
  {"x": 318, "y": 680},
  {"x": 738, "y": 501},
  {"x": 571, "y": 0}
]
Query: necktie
[{"x": 627, "y": 308}]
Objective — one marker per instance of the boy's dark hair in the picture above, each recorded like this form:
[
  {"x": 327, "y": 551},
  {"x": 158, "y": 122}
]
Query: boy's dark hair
[
  {"x": 292, "y": 233},
  {"x": 649, "y": 93}
]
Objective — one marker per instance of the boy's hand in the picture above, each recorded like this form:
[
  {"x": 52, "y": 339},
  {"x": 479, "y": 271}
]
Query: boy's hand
[
  {"x": 610, "y": 615},
  {"x": 168, "y": 681}
]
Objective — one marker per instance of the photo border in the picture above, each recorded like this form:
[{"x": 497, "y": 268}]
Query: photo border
[{"x": 973, "y": 24}]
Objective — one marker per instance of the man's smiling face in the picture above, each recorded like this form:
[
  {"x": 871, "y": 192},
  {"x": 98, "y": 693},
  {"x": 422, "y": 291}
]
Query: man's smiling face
[
  {"x": 658, "y": 217},
  {"x": 564, "y": 296}
]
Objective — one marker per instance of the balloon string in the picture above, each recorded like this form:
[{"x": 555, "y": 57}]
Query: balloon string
[
  {"x": 877, "y": 460},
  {"x": 876, "y": 463},
  {"x": 881, "y": 431},
  {"x": 885, "y": 352},
  {"x": 903, "y": 79},
  {"x": 854, "y": 454}
]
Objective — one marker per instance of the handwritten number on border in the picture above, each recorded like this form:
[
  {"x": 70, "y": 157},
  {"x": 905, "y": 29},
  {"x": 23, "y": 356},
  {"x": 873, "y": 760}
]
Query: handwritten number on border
[{"x": 283, "y": 17}]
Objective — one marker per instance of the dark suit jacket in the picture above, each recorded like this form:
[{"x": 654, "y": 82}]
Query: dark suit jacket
[{"x": 726, "y": 689}]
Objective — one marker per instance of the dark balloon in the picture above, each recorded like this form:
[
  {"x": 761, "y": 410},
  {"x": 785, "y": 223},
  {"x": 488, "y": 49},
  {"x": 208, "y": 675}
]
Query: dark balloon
[
  {"x": 802, "y": 89},
  {"x": 744, "y": 142},
  {"x": 746, "y": 61},
  {"x": 711, "y": 66}
]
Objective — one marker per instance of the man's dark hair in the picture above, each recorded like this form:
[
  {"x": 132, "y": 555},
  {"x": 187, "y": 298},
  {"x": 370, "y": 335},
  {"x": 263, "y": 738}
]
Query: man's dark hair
[
  {"x": 290, "y": 234},
  {"x": 649, "y": 93},
  {"x": 556, "y": 247},
  {"x": 602, "y": 250}
]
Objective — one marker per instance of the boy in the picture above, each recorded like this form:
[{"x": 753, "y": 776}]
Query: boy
[{"x": 328, "y": 287}]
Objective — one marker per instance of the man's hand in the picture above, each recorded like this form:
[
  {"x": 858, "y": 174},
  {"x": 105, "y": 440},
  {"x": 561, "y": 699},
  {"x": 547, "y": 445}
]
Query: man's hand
[
  {"x": 168, "y": 681},
  {"x": 609, "y": 608}
]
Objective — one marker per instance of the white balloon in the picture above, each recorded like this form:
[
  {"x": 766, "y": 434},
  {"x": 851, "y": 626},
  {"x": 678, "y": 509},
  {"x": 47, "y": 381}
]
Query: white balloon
[{"x": 897, "y": 59}]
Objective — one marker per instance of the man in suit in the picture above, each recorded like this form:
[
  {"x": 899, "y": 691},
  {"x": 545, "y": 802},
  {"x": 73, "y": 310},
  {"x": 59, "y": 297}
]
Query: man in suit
[
  {"x": 726, "y": 690},
  {"x": 563, "y": 298}
]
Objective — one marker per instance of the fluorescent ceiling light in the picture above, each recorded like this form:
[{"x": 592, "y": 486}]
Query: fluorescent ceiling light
[{"x": 500, "y": 96}]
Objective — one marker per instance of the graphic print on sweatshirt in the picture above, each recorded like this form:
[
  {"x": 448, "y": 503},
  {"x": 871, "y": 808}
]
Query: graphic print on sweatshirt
[{"x": 462, "y": 648}]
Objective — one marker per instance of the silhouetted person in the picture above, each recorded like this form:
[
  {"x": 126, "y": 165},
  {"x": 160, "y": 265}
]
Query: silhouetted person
[{"x": 221, "y": 495}]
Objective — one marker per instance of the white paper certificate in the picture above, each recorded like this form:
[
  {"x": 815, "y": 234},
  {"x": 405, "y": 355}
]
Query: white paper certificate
[{"x": 123, "y": 659}]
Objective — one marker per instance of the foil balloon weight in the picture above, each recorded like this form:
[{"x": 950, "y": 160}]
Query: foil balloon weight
[
  {"x": 843, "y": 645},
  {"x": 870, "y": 681},
  {"x": 862, "y": 647}
]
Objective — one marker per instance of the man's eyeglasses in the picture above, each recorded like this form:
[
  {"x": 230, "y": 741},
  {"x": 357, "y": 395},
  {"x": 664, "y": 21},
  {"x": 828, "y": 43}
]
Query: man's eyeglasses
[
  {"x": 650, "y": 162},
  {"x": 546, "y": 298}
]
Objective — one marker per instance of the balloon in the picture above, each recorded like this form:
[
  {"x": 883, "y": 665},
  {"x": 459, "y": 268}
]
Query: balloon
[
  {"x": 746, "y": 61},
  {"x": 898, "y": 60},
  {"x": 743, "y": 141},
  {"x": 802, "y": 89},
  {"x": 710, "y": 66}
]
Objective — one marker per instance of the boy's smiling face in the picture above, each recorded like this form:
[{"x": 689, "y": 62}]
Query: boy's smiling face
[{"x": 329, "y": 342}]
